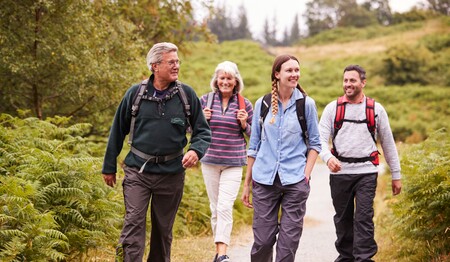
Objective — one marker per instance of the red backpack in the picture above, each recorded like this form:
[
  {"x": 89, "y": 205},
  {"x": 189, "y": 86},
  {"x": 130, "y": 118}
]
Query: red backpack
[{"x": 339, "y": 119}]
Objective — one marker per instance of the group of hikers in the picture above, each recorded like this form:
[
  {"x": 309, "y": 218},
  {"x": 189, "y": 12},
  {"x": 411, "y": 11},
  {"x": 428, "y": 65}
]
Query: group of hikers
[{"x": 285, "y": 139}]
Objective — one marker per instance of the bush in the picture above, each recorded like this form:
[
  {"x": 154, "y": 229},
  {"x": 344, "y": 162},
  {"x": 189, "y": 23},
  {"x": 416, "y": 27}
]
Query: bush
[
  {"x": 54, "y": 204},
  {"x": 406, "y": 65},
  {"x": 422, "y": 211}
]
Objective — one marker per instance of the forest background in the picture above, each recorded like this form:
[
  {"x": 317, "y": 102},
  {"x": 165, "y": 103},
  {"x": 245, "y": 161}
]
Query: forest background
[{"x": 66, "y": 64}]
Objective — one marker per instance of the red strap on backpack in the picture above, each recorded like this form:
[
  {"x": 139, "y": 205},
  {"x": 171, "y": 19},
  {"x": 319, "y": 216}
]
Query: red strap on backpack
[
  {"x": 340, "y": 113},
  {"x": 241, "y": 101},
  {"x": 370, "y": 115}
]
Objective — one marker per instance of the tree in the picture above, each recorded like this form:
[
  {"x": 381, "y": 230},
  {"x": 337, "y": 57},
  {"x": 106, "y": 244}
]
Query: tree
[
  {"x": 64, "y": 57},
  {"x": 440, "y": 6},
  {"x": 295, "y": 31},
  {"x": 221, "y": 24},
  {"x": 242, "y": 31},
  {"x": 320, "y": 15},
  {"x": 163, "y": 20},
  {"x": 381, "y": 10},
  {"x": 75, "y": 58}
]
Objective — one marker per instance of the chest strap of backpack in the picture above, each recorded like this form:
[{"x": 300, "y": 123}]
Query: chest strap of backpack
[{"x": 339, "y": 119}]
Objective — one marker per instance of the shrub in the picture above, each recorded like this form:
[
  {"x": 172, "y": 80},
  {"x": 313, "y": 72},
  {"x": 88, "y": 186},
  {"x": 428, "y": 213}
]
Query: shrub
[
  {"x": 422, "y": 211},
  {"x": 54, "y": 204}
]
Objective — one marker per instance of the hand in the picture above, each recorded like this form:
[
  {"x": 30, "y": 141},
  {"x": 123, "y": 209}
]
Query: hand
[
  {"x": 246, "y": 196},
  {"x": 242, "y": 116},
  {"x": 190, "y": 159},
  {"x": 396, "y": 187},
  {"x": 110, "y": 179},
  {"x": 334, "y": 164},
  {"x": 207, "y": 112}
]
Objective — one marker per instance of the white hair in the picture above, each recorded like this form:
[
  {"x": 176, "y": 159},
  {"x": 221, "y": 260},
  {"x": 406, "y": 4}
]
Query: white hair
[
  {"x": 228, "y": 68},
  {"x": 156, "y": 52}
]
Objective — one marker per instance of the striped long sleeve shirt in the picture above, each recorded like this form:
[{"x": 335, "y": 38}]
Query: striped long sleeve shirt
[{"x": 228, "y": 145}]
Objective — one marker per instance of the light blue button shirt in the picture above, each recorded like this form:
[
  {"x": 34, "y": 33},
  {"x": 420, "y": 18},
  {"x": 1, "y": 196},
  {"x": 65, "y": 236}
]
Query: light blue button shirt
[{"x": 279, "y": 147}]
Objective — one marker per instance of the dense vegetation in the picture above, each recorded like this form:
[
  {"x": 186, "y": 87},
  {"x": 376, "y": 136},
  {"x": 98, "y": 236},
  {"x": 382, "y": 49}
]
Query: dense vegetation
[{"x": 54, "y": 204}]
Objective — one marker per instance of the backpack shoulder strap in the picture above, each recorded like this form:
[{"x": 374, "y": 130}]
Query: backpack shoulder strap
[
  {"x": 300, "y": 105},
  {"x": 135, "y": 107},
  {"x": 210, "y": 99},
  {"x": 241, "y": 101},
  {"x": 370, "y": 116},
  {"x": 340, "y": 114},
  {"x": 185, "y": 101},
  {"x": 265, "y": 105}
]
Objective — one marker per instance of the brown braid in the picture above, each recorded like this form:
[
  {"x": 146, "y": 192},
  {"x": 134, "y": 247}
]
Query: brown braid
[{"x": 274, "y": 100}]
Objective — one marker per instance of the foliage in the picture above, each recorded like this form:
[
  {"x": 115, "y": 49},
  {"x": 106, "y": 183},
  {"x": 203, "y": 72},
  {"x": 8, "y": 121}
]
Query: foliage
[
  {"x": 422, "y": 214},
  {"x": 349, "y": 33},
  {"x": 64, "y": 57},
  {"x": 53, "y": 205},
  {"x": 406, "y": 64},
  {"x": 76, "y": 58},
  {"x": 414, "y": 15},
  {"x": 224, "y": 26},
  {"x": 164, "y": 21}
]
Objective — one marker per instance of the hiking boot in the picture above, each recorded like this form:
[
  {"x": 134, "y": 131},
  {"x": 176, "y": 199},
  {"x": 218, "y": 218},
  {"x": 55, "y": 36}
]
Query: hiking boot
[{"x": 223, "y": 258}]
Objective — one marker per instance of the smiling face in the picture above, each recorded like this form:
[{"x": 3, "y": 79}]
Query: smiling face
[
  {"x": 226, "y": 83},
  {"x": 353, "y": 85},
  {"x": 289, "y": 74},
  {"x": 167, "y": 69}
]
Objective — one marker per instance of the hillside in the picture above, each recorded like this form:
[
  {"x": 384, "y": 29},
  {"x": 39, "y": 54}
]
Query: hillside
[
  {"x": 418, "y": 107},
  {"x": 370, "y": 46}
]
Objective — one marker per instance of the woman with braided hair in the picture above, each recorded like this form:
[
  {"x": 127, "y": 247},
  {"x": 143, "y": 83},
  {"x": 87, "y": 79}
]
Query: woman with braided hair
[{"x": 279, "y": 165}]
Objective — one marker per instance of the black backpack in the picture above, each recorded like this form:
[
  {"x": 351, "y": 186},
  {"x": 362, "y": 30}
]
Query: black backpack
[
  {"x": 140, "y": 94},
  {"x": 300, "y": 108}
]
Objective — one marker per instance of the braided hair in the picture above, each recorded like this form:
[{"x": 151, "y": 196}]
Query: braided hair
[{"x": 276, "y": 67}]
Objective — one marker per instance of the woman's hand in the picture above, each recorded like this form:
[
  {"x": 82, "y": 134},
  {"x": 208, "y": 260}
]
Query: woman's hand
[
  {"x": 246, "y": 196},
  {"x": 207, "y": 112},
  {"x": 242, "y": 116}
]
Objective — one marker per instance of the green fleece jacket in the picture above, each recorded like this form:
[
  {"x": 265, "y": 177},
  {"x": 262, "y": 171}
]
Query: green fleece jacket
[{"x": 160, "y": 129}]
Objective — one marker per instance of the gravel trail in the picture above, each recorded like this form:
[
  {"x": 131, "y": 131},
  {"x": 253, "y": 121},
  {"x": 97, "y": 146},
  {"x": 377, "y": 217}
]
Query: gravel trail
[{"x": 317, "y": 241}]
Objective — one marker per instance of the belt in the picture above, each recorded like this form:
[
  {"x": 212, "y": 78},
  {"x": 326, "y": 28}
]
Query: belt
[{"x": 155, "y": 159}]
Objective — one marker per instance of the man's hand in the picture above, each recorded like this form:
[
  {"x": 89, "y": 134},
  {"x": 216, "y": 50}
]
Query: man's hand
[
  {"x": 334, "y": 164},
  {"x": 190, "y": 159},
  {"x": 396, "y": 187},
  {"x": 110, "y": 179}
]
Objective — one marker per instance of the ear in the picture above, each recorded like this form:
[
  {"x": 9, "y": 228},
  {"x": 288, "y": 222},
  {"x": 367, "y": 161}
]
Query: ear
[
  {"x": 155, "y": 67},
  {"x": 277, "y": 75},
  {"x": 364, "y": 83}
]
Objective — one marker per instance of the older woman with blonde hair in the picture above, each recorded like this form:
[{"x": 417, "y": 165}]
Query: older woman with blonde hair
[{"x": 230, "y": 116}]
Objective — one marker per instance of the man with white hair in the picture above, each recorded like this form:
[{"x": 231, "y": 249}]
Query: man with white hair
[{"x": 156, "y": 114}]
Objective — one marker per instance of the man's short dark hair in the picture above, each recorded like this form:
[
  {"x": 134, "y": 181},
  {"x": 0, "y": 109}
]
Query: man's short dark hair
[{"x": 357, "y": 68}]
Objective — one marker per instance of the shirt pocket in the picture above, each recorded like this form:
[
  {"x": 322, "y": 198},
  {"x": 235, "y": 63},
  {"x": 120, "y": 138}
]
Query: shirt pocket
[
  {"x": 178, "y": 122},
  {"x": 292, "y": 125}
]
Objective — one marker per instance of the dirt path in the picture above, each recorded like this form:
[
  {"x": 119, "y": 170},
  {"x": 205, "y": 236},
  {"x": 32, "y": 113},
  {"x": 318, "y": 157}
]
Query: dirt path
[{"x": 317, "y": 241}]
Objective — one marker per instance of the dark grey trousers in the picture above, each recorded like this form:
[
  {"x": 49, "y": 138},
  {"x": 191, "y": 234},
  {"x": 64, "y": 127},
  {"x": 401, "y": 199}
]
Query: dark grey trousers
[
  {"x": 353, "y": 196},
  {"x": 163, "y": 192},
  {"x": 267, "y": 201}
]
